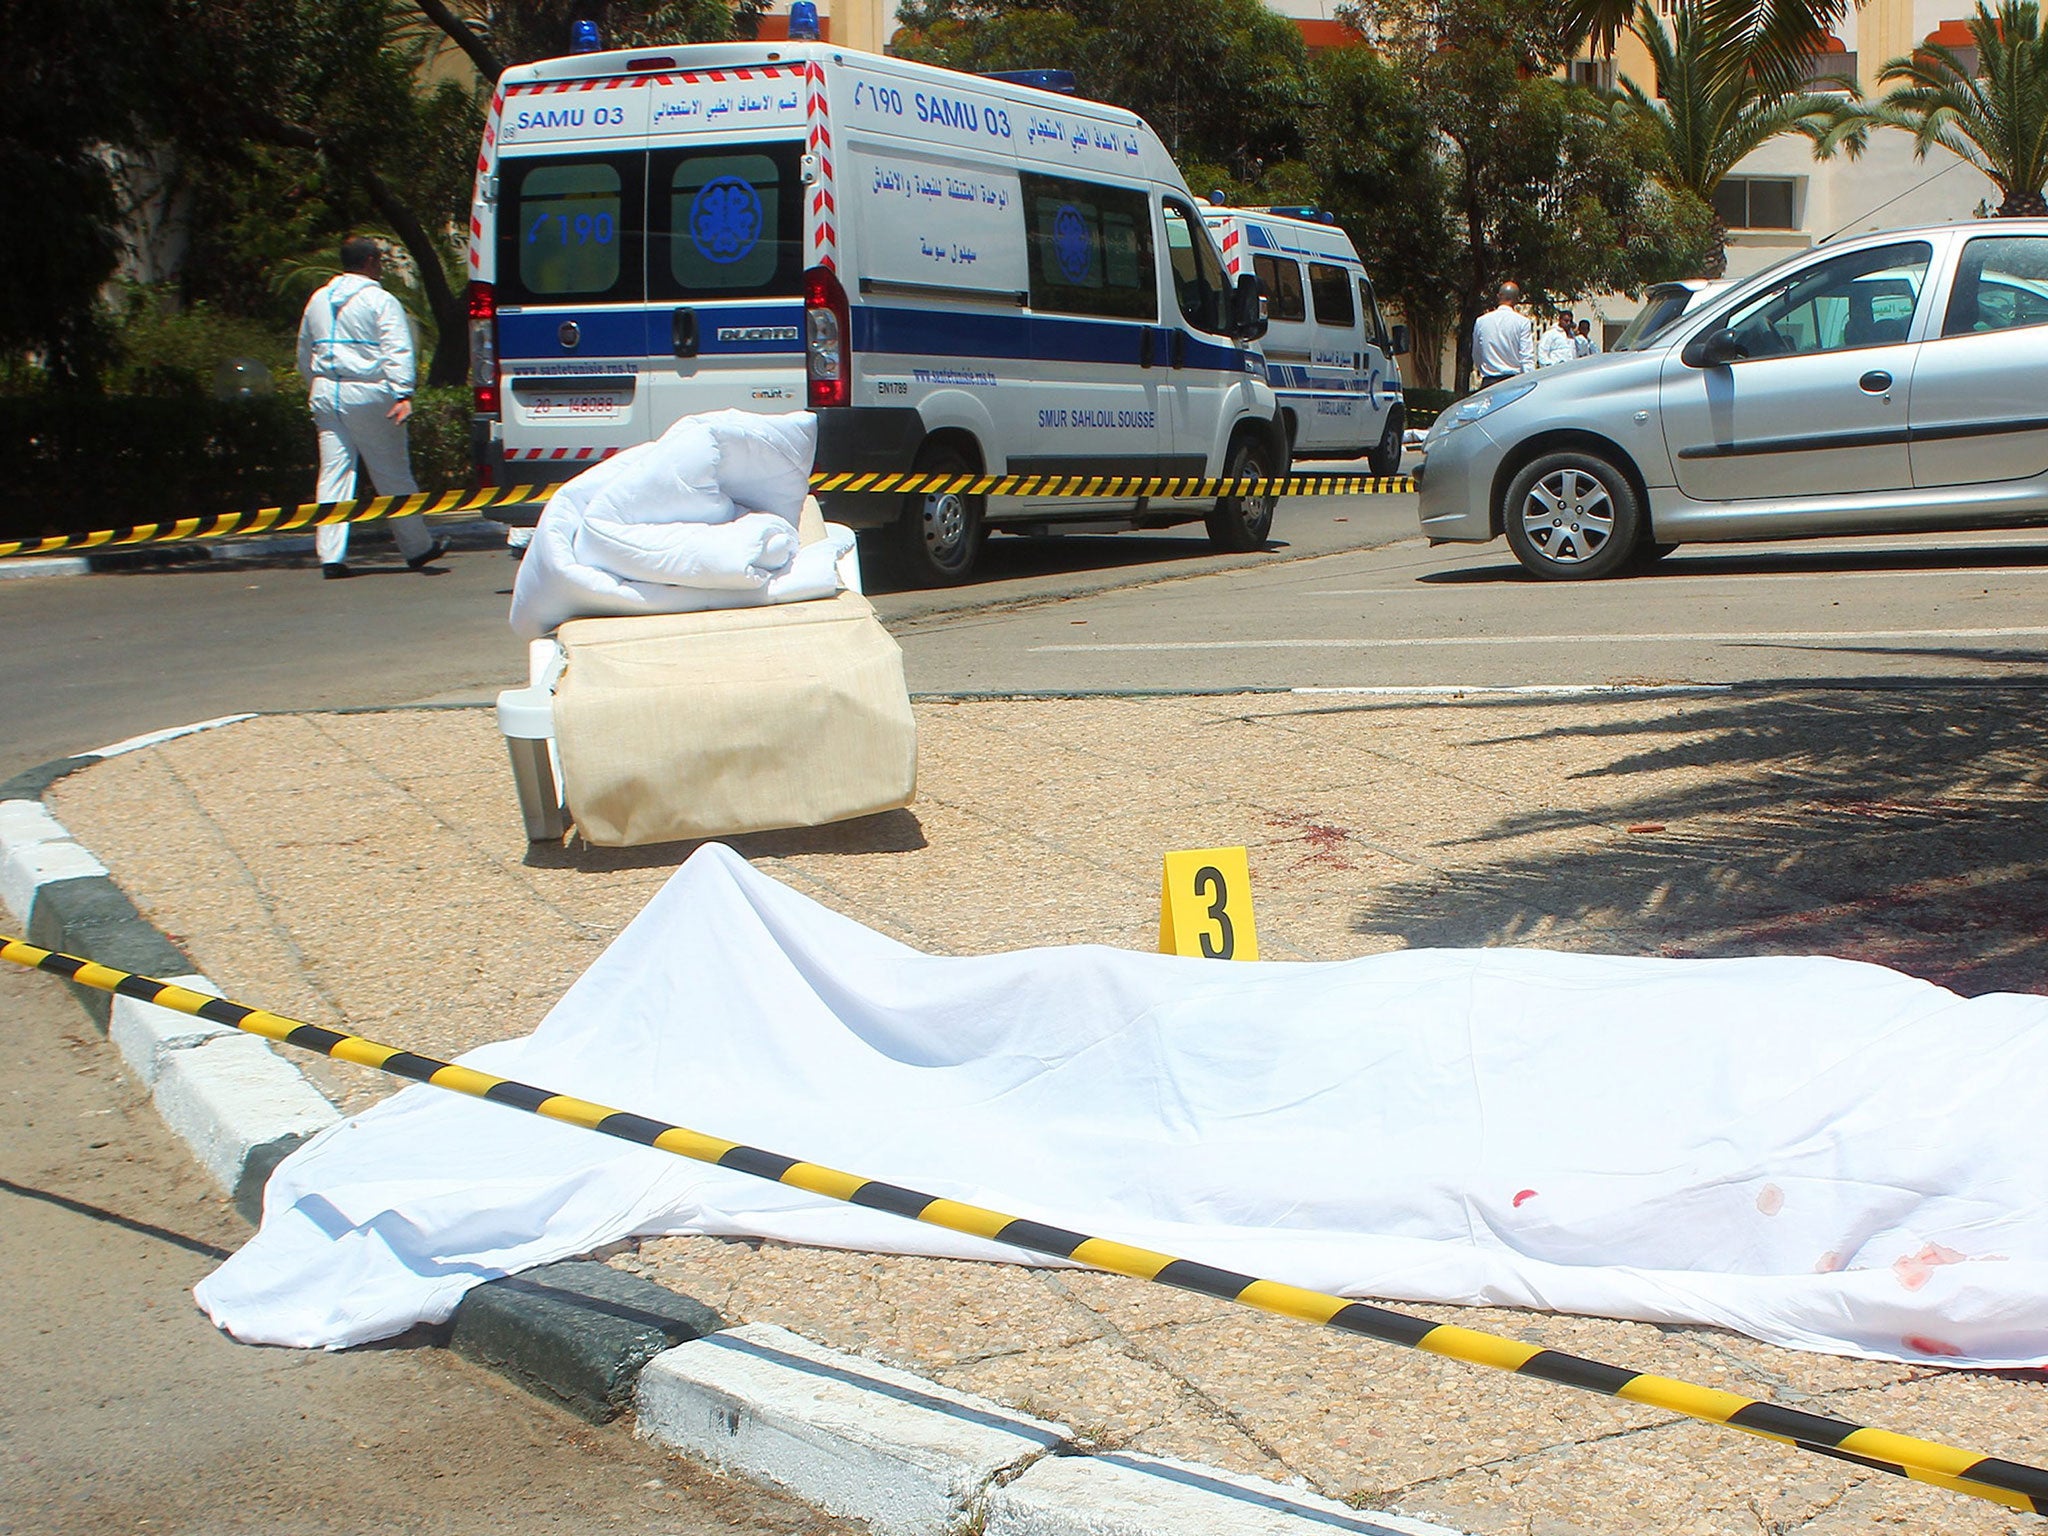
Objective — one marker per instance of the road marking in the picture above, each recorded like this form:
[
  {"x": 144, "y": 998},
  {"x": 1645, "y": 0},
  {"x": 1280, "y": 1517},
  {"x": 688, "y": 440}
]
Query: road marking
[
  {"x": 1697, "y": 637},
  {"x": 1668, "y": 578},
  {"x": 1545, "y": 690}
]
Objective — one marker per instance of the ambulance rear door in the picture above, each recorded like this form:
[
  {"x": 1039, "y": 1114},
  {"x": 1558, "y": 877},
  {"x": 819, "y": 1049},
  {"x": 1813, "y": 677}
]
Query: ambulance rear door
[
  {"x": 571, "y": 281},
  {"x": 725, "y": 242}
]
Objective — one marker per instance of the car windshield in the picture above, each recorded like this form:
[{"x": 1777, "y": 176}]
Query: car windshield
[{"x": 1663, "y": 306}]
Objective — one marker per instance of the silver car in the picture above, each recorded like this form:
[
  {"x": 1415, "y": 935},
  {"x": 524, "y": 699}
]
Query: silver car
[{"x": 1893, "y": 383}]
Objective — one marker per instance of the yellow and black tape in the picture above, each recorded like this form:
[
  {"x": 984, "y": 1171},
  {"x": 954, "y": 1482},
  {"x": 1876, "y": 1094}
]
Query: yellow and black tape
[
  {"x": 269, "y": 520},
  {"x": 1114, "y": 487},
  {"x": 315, "y": 514},
  {"x": 2013, "y": 1484}
]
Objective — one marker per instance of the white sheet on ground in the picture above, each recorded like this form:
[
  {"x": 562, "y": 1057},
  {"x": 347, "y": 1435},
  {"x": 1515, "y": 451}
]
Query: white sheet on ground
[
  {"x": 703, "y": 517},
  {"x": 1819, "y": 1153}
]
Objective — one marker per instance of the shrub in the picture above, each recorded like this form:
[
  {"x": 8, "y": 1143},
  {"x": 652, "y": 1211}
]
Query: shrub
[{"x": 79, "y": 463}]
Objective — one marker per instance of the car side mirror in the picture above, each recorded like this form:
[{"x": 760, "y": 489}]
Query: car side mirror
[
  {"x": 1711, "y": 349},
  {"x": 1247, "y": 309},
  {"x": 1398, "y": 346}
]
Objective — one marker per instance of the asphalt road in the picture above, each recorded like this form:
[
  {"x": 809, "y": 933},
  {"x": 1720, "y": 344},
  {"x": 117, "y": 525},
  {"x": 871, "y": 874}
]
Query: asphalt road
[
  {"x": 1347, "y": 596},
  {"x": 125, "y": 1411}
]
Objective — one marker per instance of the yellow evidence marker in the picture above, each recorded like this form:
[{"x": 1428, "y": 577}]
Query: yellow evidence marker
[{"x": 1205, "y": 905}]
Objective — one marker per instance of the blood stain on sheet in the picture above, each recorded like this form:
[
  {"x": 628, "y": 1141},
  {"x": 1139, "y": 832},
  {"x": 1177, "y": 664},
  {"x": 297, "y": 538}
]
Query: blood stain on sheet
[
  {"x": 1828, "y": 1263},
  {"x": 1523, "y": 1194},
  {"x": 1770, "y": 1199},
  {"x": 1920, "y": 1344},
  {"x": 1915, "y": 1269}
]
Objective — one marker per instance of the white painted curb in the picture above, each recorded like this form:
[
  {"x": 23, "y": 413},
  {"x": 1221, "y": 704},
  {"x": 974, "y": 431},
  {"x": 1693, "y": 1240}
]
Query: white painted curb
[
  {"x": 906, "y": 1455},
  {"x": 1123, "y": 1494},
  {"x": 35, "y": 850},
  {"x": 238, "y": 1106},
  {"x": 146, "y": 1034}
]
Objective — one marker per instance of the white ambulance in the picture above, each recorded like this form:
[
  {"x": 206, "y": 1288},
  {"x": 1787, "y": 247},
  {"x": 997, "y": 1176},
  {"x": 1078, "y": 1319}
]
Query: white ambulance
[
  {"x": 1329, "y": 353},
  {"x": 955, "y": 272}
]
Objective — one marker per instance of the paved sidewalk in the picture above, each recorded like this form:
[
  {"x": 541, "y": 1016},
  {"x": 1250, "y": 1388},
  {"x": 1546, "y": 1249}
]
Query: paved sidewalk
[{"x": 370, "y": 869}]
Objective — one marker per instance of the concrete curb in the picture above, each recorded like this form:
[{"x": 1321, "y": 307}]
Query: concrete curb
[{"x": 855, "y": 1438}]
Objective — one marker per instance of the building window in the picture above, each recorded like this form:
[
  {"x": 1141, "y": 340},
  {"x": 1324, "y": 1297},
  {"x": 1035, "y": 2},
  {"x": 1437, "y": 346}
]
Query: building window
[
  {"x": 1593, "y": 74},
  {"x": 1757, "y": 202}
]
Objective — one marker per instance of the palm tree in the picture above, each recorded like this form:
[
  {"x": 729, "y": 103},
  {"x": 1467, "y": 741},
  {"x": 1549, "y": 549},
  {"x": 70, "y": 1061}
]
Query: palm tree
[
  {"x": 1708, "y": 116},
  {"x": 1770, "y": 39},
  {"x": 1995, "y": 116}
]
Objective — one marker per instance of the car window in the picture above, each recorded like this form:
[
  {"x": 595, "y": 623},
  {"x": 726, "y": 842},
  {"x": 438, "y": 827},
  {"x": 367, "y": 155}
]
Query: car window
[
  {"x": 1197, "y": 272},
  {"x": 1090, "y": 248},
  {"x": 1862, "y": 299},
  {"x": 1330, "y": 288},
  {"x": 570, "y": 228},
  {"x": 728, "y": 223},
  {"x": 1281, "y": 280},
  {"x": 1369, "y": 306},
  {"x": 1661, "y": 306},
  {"x": 2001, "y": 285}
]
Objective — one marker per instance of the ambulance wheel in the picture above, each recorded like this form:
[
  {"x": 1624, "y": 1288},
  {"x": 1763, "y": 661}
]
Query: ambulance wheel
[
  {"x": 939, "y": 536},
  {"x": 1385, "y": 457},
  {"x": 1240, "y": 523}
]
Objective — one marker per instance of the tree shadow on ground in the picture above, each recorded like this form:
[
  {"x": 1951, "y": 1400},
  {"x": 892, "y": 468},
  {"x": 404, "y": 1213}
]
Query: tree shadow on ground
[{"x": 1906, "y": 826}]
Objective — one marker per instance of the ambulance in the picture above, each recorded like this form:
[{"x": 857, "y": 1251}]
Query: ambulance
[
  {"x": 1329, "y": 353},
  {"x": 955, "y": 272}
]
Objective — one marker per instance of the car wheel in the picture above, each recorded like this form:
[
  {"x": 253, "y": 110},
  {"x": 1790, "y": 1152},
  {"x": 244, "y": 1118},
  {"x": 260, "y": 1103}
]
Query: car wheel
[
  {"x": 938, "y": 538},
  {"x": 1240, "y": 523},
  {"x": 1572, "y": 516},
  {"x": 1385, "y": 457}
]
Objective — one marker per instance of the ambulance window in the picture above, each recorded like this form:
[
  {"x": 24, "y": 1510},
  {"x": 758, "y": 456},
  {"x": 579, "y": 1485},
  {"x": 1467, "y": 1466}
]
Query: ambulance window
[
  {"x": 1091, "y": 248},
  {"x": 576, "y": 225},
  {"x": 1197, "y": 273},
  {"x": 1375, "y": 322},
  {"x": 1282, "y": 281},
  {"x": 1330, "y": 287},
  {"x": 728, "y": 223}
]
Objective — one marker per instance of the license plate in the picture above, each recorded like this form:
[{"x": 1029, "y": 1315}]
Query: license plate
[{"x": 606, "y": 406}]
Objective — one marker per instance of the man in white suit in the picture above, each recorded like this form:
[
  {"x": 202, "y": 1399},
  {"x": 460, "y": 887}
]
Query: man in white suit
[{"x": 355, "y": 352}]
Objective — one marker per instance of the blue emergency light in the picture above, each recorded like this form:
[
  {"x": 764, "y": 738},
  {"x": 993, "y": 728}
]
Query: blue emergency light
[
  {"x": 803, "y": 21},
  {"x": 584, "y": 37}
]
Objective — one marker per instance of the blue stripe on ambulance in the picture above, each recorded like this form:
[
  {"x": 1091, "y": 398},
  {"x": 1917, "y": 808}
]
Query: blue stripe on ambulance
[
  {"x": 952, "y": 333},
  {"x": 535, "y": 336}
]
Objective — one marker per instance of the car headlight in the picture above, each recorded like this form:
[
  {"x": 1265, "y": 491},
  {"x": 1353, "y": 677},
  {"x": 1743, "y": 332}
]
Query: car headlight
[{"x": 1467, "y": 411}]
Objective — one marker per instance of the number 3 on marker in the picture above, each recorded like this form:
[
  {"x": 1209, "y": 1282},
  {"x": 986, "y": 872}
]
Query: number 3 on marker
[{"x": 1205, "y": 905}]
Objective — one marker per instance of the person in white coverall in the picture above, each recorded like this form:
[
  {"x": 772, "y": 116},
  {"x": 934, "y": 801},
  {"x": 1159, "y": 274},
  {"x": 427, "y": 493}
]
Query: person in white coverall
[{"x": 355, "y": 352}]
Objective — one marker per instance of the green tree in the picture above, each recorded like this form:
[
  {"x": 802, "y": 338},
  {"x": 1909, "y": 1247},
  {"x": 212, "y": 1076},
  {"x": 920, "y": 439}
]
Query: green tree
[
  {"x": 494, "y": 36},
  {"x": 1543, "y": 186},
  {"x": 1995, "y": 116},
  {"x": 1771, "y": 39},
  {"x": 1705, "y": 117},
  {"x": 74, "y": 94},
  {"x": 1375, "y": 158},
  {"x": 1225, "y": 82}
]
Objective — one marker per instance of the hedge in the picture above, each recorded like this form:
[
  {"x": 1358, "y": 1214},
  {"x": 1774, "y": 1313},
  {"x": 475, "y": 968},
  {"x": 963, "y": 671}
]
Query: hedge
[{"x": 80, "y": 463}]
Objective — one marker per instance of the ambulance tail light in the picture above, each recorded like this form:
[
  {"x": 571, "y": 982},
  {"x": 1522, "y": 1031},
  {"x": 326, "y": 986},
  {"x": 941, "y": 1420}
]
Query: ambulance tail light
[
  {"x": 483, "y": 348},
  {"x": 828, "y": 361}
]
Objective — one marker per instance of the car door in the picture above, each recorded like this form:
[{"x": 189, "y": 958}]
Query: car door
[
  {"x": 1980, "y": 392},
  {"x": 1202, "y": 362},
  {"x": 1815, "y": 403}
]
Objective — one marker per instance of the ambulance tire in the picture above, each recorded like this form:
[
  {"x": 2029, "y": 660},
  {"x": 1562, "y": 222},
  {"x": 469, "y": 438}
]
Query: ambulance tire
[
  {"x": 1385, "y": 457},
  {"x": 939, "y": 537},
  {"x": 1240, "y": 524}
]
